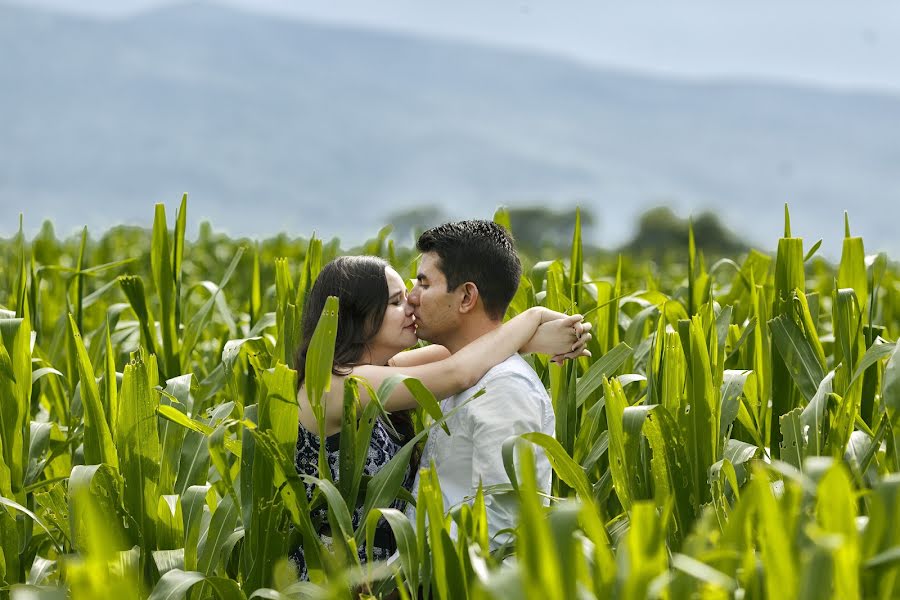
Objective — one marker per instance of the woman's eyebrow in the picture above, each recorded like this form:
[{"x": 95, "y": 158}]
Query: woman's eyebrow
[{"x": 396, "y": 294}]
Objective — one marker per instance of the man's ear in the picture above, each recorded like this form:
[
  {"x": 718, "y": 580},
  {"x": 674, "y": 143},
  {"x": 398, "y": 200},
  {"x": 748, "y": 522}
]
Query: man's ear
[{"x": 469, "y": 297}]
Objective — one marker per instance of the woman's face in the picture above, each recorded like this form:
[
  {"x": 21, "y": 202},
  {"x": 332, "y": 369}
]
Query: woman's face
[{"x": 398, "y": 329}]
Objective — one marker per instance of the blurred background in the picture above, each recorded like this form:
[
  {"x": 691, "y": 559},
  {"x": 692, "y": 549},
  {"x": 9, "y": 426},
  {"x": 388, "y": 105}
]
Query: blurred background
[{"x": 341, "y": 117}]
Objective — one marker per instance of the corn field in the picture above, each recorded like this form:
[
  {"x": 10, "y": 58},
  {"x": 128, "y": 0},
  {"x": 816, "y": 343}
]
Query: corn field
[{"x": 736, "y": 433}]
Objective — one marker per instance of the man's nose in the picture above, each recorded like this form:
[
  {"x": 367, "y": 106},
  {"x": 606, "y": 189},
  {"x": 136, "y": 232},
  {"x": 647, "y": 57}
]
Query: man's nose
[{"x": 413, "y": 296}]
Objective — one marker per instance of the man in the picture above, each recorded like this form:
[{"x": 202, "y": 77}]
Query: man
[{"x": 468, "y": 275}]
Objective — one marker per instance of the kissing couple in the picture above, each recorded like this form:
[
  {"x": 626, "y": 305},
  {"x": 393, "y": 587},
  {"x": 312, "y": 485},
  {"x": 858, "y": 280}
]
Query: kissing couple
[{"x": 467, "y": 276}]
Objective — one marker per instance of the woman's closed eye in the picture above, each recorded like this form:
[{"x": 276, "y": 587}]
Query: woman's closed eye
[{"x": 397, "y": 299}]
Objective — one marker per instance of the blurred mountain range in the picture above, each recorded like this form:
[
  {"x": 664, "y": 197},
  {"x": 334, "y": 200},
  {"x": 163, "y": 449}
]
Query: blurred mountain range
[{"x": 279, "y": 125}]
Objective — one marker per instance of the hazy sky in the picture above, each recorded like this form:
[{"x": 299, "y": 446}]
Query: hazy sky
[{"x": 821, "y": 42}]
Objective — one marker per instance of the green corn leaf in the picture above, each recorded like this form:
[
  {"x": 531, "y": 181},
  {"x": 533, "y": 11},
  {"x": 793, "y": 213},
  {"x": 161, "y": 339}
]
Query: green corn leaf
[
  {"x": 95, "y": 490},
  {"x": 789, "y": 276},
  {"x": 169, "y": 522},
  {"x": 422, "y": 395},
  {"x": 262, "y": 506},
  {"x": 161, "y": 261},
  {"x": 671, "y": 484},
  {"x": 348, "y": 483},
  {"x": 193, "y": 465},
  {"x": 603, "y": 368},
  {"x": 430, "y": 520},
  {"x": 174, "y": 415},
  {"x": 193, "y": 502},
  {"x": 852, "y": 268},
  {"x": 692, "y": 270},
  {"x": 176, "y": 584},
  {"x": 287, "y": 313},
  {"x": 223, "y": 522},
  {"x": 171, "y": 436},
  {"x": 812, "y": 251},
  {"x": 178, "y": 254},
  {"x": 806, "y": 309},
  {"x": 566, "y": 469},
  {"x": 312, "y": 264},
  {"x": 293, "y": 494},
  {"x": 523, "y": 300},
  {"x": 365, "y": 425},
  {"x": 79, "y": 281},
  {"x": 589, "y": 429},
  {"x": 732, "y": 388},
  {"x": 338, "y": 515},
  {"x": 6, "y": 366},
  {"x": 383, "y": 487},
  {"x": 566, "y": 416},
  {"x": 644, "y": 551},
  {"x": 137, "y": 442},
  {"x": 618, "y": 459},
  {"x": 15, "y": 404},
  {"x": 406, "y": 541},
  {"x": 167, "y": 560},
  {"x": 836, "y": 513},
  {"x": 813, "y": 417},
  {"x": 216, "y": 444},
  {"x": 888, "y": 557},
  {"x": 133, "y": 287},
  {"x": 847, "y": 319},
  {"x": 699, "y": 418},
  {"x": 41, "y": 570},
  {"x": 18, "y": 507},
  {"x": 507, "y": 453},
  {"x": 891, "y": 399},
  {"x": 98, "y": 442},
  {"x": 255, "y": 290},
  {"x": 198, "y": 320},
  {"x": 703, "y": 572},
  {"x": 320, "y": 359},
  {"x": 501, "y": 217},
  {"x": 797, "y": 355},
  {"x": 534, "y": 543},
  {"x": 596, "y": 452},
  {"x": 576, "y": 266},
  {"x": 110, "y": 380},
  {"x": 793, "y": 445},
  {"x": 874, "y": 354}
]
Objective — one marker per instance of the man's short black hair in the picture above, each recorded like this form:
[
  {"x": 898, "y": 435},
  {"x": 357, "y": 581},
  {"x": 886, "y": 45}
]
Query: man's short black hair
[{"x": 481, "y": 252}]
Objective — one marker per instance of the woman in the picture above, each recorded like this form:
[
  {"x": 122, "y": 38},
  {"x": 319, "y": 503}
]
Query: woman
[{"x": 375, "y": 324}]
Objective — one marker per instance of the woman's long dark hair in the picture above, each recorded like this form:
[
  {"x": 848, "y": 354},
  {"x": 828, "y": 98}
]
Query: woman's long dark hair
[{"x": 360, "y": 284}]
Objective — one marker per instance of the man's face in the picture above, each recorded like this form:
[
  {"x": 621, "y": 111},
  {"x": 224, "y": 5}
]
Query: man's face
[{"x": 436, "y": 308}]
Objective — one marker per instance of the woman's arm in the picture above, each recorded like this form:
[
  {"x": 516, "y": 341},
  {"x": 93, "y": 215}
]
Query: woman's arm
[
  {"x": 419, "y": 356},
  {"x": 463, "y": 369},
  {"x": 453, "y": 373}
]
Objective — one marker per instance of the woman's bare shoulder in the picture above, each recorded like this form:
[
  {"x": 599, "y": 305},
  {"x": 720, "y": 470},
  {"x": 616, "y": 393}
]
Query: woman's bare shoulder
[{"x": 332, "y": 398}]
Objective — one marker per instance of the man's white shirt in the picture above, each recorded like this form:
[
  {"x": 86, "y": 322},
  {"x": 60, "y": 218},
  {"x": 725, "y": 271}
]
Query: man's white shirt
[{"x": 514, "y": 402}]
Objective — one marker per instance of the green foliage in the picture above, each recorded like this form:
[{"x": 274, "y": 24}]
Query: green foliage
[{"x": 736, "y": 432}]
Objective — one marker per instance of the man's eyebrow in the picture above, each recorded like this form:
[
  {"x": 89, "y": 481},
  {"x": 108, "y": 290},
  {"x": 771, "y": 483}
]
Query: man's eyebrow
[{"x": 421, "y": 277}]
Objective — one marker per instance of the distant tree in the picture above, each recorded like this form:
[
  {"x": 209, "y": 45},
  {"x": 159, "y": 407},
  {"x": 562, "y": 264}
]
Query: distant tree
[
  {"x": 538, "y": 228},
  {"x": 660, "y": 231},
  {"x": 410, "y": 222}
]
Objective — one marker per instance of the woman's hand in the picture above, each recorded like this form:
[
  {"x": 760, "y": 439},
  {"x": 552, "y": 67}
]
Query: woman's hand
[{"x": 560, "y": 336}]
